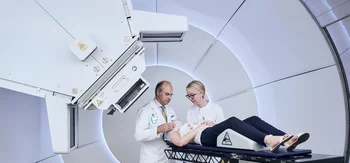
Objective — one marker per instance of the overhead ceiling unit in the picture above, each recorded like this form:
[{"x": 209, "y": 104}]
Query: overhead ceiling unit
[{"x": 157, "y": 27}]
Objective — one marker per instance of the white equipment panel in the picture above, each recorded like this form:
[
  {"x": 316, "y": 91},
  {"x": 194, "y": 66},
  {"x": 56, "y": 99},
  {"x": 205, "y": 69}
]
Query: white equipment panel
[
  {"x": 38, "y": 59},
  {"x": 75, "y": 54},
  {"x": 46, "y": 55}
]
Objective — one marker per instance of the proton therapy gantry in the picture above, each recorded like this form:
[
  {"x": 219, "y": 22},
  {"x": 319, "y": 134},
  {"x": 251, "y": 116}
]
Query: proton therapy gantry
[{"x": 80, "y": 55}]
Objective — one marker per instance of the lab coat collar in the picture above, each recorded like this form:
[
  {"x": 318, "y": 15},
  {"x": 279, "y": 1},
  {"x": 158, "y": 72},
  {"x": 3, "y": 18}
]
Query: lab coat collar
[
  {"x": 158, "y": 104},
  {"x": 202, "y": 108}
]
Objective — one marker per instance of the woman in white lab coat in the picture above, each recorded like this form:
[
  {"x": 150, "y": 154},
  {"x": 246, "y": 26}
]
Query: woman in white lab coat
[{"x": 203, "y": 110}]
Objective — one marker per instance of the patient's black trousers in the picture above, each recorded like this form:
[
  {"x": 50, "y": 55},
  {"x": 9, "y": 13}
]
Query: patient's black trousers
[{"x": 253, "y": 127}]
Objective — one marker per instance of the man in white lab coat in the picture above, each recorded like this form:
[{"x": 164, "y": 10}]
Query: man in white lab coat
[{"x": 153, "y": 120}]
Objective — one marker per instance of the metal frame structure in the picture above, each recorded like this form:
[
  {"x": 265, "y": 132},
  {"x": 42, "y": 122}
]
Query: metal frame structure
[
  {"x": 202, "y": 156},
  {"x": 191, "y": 155}
]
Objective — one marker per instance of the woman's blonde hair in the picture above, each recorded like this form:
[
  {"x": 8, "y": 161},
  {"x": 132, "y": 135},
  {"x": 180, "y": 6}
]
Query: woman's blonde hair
[{"x": 197, "y": 85}]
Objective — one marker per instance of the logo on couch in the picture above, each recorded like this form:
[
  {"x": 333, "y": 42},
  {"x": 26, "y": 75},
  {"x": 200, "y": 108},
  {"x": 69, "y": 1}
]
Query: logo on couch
[{"x": 226, "y": 140}]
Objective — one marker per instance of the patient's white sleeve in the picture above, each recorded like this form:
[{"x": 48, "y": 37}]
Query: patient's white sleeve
[
  {"x": 186, "y": 128},
  {"x": 178, "y": 124}
]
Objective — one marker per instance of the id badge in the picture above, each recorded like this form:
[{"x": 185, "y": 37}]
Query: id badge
[
  {"x": 172, "y": 118},
  {"x": 154, "y": 119}
]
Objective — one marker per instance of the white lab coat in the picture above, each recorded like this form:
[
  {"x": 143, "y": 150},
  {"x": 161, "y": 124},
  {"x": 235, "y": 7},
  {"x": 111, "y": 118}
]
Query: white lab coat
[
  {"x": 211, "y": 112},
  {"x": 149, "y": 117}
]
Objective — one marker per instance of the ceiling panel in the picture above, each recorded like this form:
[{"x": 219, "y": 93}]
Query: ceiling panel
[
  {"x": 144, "y": 5},
  {"x": 336, "y": 3},
  {"x": 185, "y": 55},
  {"x": 346, "y": 23},
  {"x": 345, "y": 58},
  {"x": 209, "y": 15},
  {"x": 222, "y": 73},
  {"x": 271, "y": 43},
  {"x": 319, "y": 7},
  {"x": 335, "y": 14},
  {"x": 340, "y": 36},
  {"x": 342, "y": 10}
]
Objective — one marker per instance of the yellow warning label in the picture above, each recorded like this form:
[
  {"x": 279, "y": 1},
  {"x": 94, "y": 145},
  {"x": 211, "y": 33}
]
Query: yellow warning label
[
  {"x": 99, "y": 102},
  {"x": 101, "y": 95},
  {"x": 82, "y": 46}
]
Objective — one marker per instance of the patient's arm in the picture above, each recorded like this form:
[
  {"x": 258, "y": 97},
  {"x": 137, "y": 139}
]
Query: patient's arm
[
  {"x": 179, "y": 141},
  {"x": 209, "y": 123}
]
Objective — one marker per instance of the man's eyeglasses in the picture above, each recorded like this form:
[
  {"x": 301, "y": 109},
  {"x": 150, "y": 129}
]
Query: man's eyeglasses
[{"x": 190, "y": 96}]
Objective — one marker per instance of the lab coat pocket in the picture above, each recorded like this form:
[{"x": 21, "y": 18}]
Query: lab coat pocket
[{"x": 153, "y": 120}]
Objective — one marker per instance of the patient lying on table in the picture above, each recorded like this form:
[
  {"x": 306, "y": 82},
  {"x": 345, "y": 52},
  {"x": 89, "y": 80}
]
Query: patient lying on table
[{"x": 254, "y": 128}]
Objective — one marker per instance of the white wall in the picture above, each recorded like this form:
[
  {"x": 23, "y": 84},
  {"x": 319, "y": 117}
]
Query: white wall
[
  {"x": 221, "y": 72},
  {"x": 119, "y": 129},
  {"x": 26, "y": 138},
  {"x": 92, "y": 145},
  {"x": 275, "y": 39},
  {"x": 24, "y": 128},
  {"x": 242, "y": 105},
  {"x": 185, "y": 55},
  {"x": 208, "y": 15},
  {"x": 90, "y": 126},
  {"x": 53, "y": 159},
  {"x": 91, "y": 153},
  {"x": 313, "y": 102}
]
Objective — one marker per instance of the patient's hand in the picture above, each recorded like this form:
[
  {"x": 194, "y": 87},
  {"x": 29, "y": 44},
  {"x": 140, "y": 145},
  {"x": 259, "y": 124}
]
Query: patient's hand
[
  {"x": 202, "y": 126},
  {"x": 165, "y": 127},
  {"x": 209, "y": 123},
  {"x": 190, "y": 127}
]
